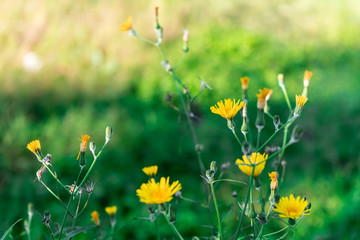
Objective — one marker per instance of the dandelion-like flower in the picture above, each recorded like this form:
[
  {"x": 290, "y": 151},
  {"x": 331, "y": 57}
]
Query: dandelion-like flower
[
  {"x": 289, "y": 207},
  {"x": 150, "y": 171},
  {"x": 111, "y": 210},
  {"x": 227, "y": 110},
  {"x": 35, "y": 147},
  {"x": 300, "y": 102},
  {"x": 95, "y": 218},
  {"x": 307, "y": 76},
  {"x": 256, "y": 158},
  {"x": 274, "y": 181},
  {"x": 84, "y": 140},
  {"x": 244, "y": 82},
  {"x": 157, "y": 193},
  {"x": 127, "y": 25},
  {"x": 263, "y": 96}
]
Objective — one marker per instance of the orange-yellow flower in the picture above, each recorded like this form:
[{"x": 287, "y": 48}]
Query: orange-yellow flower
[
  {"x": 84, "y": 140},
  {"x": 95, "y": 218},
  {"x": 244, "y": 82},
  {"x": 227, "y": 110},
  {"x": 255, "y": 158},
  {"x": 263, "y": 96},
  {"x": 127, "y": 25},
  {"x": 274, "y": 181},
  {"x": 307, "y": 76},
  {"x": 150, "y": 171},
  {"x": 157, "y": 193},
  {"x": 289, "y": 207},
  {"x": 111, "y": 210},
  {"x": 34, "y": 146},
  {"x": 300, "y": 102}
]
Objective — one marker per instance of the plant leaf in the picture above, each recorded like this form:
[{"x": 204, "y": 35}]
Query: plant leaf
[
  {"x": 77, "y": 231},
  {"x": 7, "y": 232}
]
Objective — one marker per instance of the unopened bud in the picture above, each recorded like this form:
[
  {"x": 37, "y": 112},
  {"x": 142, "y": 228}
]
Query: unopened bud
[
  {"x": 199, "y": 147},
  {"x": 281, "y": 80},
  {"x": 260, "y": 120},
  {"x": 92, "y": 147},
  {"x": 166, "y": 65},
  {"x": 108, "y": 133},
  {"x": 30, "y": 211},
  {"x": 244, "y": 127},
  {"x": 262, "y": 217},
  {"x": 246, "y": 148},
  {"x": 296, "y": 134},
  {"x": 82, "y": 161},
  {"x": 231, "y": 125},
  {"x": 276, "y": 121},
  {"x": 186, "y": 41},
  {"x": 213, "y": 166},
  {"x": 178, "y": 194},
  {"x": 209, "y": 175},
  {"x": 234, "y": 194}
]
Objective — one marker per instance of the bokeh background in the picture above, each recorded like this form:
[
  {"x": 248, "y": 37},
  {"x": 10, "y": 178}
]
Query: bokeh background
[{"x": 66, "y": 70}]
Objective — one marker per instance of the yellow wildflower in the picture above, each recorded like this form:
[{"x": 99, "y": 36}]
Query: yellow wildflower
[
  {"x": 289, "y": 207},
  {"x": 111, "y": 210},
  {"x": 150, "y": 171},
  {"x": 34, "y": 146},
  {"x": 255, "y": 158},
  {"x": 274, "y": 181},
  {"x": 244, "y": 82},
  {"x": 95, "y": 218},
  {"x": 84, "y": 140},
  {"x": 227, "y": 110},
  {"x": 127, "y": 25},
  {"x": 157, "y": 193},
  {"x": 300, "y": 102},
  {"x": 263, "y": 96}
]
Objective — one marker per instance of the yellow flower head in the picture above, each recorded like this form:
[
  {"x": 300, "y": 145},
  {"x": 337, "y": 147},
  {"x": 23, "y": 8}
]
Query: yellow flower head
[
  {"x": 300, "y": 101},
  {"x": 244, "y": 82},
  {"x": 157, "y": 193},
  {"x": 227, "y": 110},
  {"x": 263, "y": 96},
  {"x": 150, "y": 171},
  {"x": 95, "y": 218},
  {"x": 111, "y": 210},
  {"x": 84, "y": 140},
  {"x": 127, "y": 25},
  {"x": 274, "y": 181},
  {"x": 34, "y": 146},
  {"x": 289, "y": 207},
  {"x": 307, "y": 76},
  {"x": 255, "y": 158}
]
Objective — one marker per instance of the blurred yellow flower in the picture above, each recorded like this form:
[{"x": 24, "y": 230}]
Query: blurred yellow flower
[
  {"x": 255, "y": 158},
  {"x": 227, "y": 110},
  {"x": 150, "y": 171},
  {"x": 274, "y": 181},
  {"x": 157, "y": 193},
  {"x": 127, "y": 25},
  {"x": 300, "y": 101},
  {"x": 95, "y": 218},
  {"x": 111, "y": 210},
  {"x": 307, "y": 76},
  {"x": 34, "y": 145},
  {"x": 289, "y": 207},
  {"x": 84, "y": 140},
  {"x": 263, "y": 96},
  {"x": 244, "y": 82}
]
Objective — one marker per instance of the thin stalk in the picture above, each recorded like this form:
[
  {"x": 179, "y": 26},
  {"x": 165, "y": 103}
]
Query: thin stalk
[
  {"x": 286, "y": 98},
  {"x": 157, "y": 229},
  {"x": 50, "y": 231},
  {"x": 246, "y": 202},
  {"x": 217, "y": 210},
  {"x": 261, "y": 201},
  {"x": 260, "y": 233},
  {"x": 55, "y": 177},
  {"x": 144, "y": 39},
  {"x": 258, "y": 137},
  {"x": 273, "y": 233},
  {"x": 237, "y": 138},
  {"x": 173, "y": 228}
]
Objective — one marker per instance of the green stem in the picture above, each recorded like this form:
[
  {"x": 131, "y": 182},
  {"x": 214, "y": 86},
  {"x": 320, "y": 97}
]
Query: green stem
[
  {"x": 258, "y": 137},
  {"x": 261, "y": 201},
  {"x": 286, "y": 97},
  {"x": 55, "y": 177},
  {"x": 217, "y": 210},
  {"x": 260, "y": 233},
  {"x": 145, "y": 40},
  {"x": 246, "y": 202},
  {"x": 157, "y": 229},
  {"x": 173, "y": 227},
  {"x": 237, "y": 138}
]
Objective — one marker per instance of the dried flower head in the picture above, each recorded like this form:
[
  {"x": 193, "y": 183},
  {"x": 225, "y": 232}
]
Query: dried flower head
[
  {"x": 111, "y": 210},
  {"x": 89, "y": 187},
  {"x": 227, "y": 110},
  {"x": 274, "y": 181},
  {"x": 73, "y": 188},
  {"x": 289, "y": 207},
  {"x": 150, "y": 171},
  {"x": 263, "y": 96},
  {"x": 95, "y": 218},
  {"x": 127, "y": 25},
  {"x": 244, "y": 82},
  {"x": 157, "y": 193},
  {"x": 256, "y": 158}
]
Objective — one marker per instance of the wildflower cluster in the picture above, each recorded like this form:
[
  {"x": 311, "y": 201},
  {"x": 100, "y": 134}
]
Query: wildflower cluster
[{"x": 256, "y": 154}]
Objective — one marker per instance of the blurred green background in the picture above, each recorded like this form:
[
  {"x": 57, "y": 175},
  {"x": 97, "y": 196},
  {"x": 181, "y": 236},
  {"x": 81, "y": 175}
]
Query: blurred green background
[{"x": 90, "y": 75}]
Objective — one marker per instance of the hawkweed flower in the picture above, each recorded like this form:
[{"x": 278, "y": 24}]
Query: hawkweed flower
[
  {"x": 127, "y": 25},
  {"x": 35, "y": 147},
  {"x": 263, "y": 96},
  {"x": 157, "y": 193},
  {"x": 244, "y": 82},
  {"x": 227, "y": 109},
  {"x": 111, "y": 211},
  {"x": 150, "y": 171},
  {"x": 289, "y": 207},
  {"x": 256, "y": 159},
  {"x": 95, "y": 218},
  {"x": 84, "y": 140},
  {"x": 300, "y": 102},
  {"x": 307, "y": 76},
  {"x": 274, "y": 181}
]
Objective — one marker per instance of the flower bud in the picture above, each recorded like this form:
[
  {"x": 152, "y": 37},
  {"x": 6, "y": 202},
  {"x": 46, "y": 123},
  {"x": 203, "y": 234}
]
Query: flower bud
[
  {"x": 210, "y": 175},
  {"x": 281, "y": 80},
  {"x": 231, "y": 125},
  {"x": 234, "y": 194},
  {"x": 82, "y": 161},
  {"x": 276, "y": 121},
  {"x": 92, "y": 147},
  {"x": 244, "y": 127},
  {"x": 199, "y": 148},
  {"x": 296, "y": 134},
  {"x": 260, "y": 120},
  {"x": 262, "y": 217},
  {"x": 246, "y": 148},
  {"x": 213, "y": 166},
  {"x": 185, "y": 40},
  {"x": 108, "y": 133},
  {"x": 178, "y": 194},
  {"x": 30, "y": 211},
  {"x": 166, "y": 65}
]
